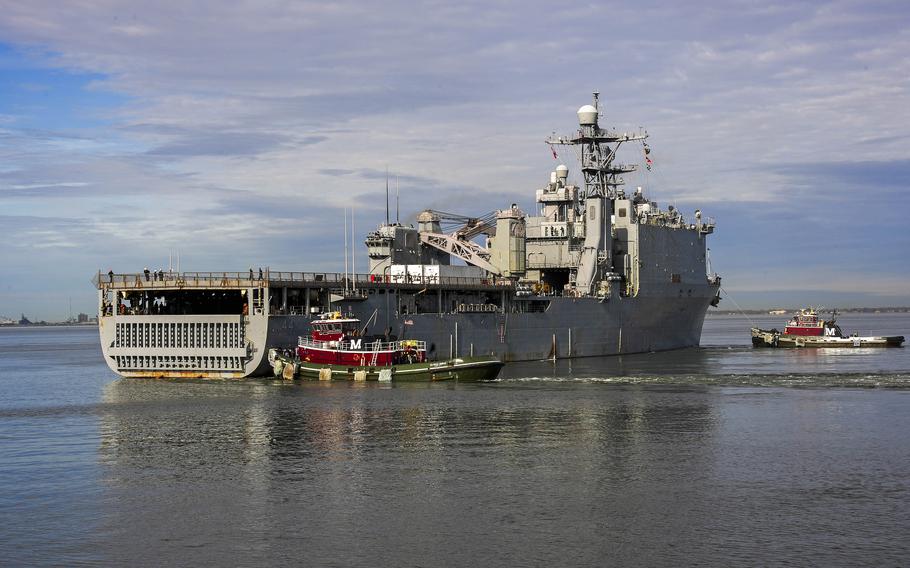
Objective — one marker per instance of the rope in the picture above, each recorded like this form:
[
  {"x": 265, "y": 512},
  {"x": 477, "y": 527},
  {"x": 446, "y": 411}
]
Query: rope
[{"x": 738, "y": 306}]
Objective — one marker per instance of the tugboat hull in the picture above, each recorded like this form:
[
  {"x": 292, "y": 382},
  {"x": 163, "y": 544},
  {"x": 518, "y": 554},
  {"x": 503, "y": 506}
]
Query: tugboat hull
[
  {"x": 468, "y": 369},
  {"x": 774, "y": 338}
]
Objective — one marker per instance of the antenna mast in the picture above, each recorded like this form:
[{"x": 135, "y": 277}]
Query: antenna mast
[
  {"x": 345, "y": 249},
  {"x": 598, "y": 151},
  {"x": 602, "y": 186},
  {"x": 353, "y": 270},
  {"x": 386, "y": 195}
]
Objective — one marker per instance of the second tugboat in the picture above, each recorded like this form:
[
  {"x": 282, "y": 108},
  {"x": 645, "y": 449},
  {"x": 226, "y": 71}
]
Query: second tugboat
[
  {"x": 807, "y": 329},
  {"x": 337, "y": 348}
]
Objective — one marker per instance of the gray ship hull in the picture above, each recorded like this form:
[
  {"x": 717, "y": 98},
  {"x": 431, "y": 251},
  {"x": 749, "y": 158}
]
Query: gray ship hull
[{"x": 570, "y": 327}]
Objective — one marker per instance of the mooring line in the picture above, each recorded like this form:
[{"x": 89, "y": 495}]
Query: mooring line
[{"x": 737, "y": 306}]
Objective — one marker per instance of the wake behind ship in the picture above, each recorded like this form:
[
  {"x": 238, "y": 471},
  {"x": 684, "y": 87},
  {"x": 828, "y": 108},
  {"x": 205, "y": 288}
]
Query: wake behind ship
[{"x": 593, "y": 272}]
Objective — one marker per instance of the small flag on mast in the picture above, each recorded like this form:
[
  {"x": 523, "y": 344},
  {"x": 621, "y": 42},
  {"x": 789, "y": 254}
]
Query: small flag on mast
[{"x": 555, "y": 155}]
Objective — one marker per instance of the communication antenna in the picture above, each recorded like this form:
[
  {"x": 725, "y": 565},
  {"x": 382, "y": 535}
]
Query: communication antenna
[
  {"x": 353, "y": 270},
  {"x": 345, "y": 249},
  {"x": 386, "y": 195},
  {"x": 397, "y": 197}
]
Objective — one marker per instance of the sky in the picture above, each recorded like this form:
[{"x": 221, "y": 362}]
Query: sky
[{"x": 237, "y": 133}]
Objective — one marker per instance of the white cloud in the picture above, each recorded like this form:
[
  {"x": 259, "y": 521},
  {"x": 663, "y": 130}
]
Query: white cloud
[{"x": 259, "y": 99}]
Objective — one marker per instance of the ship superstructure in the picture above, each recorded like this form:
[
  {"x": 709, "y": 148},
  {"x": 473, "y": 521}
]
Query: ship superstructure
[{"x": 592, "y": 271}]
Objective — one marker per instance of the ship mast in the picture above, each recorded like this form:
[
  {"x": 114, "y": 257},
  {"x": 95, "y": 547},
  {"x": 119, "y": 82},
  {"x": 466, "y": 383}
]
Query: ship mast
[
  {"x": 603, "y": 180},
  {"x": 601, "y": 174}
]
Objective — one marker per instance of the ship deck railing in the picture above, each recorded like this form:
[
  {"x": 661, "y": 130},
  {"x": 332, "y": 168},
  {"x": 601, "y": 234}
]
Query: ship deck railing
[
  {"x": 165, "y": 280},
  {"x": 377, "y": 346}
]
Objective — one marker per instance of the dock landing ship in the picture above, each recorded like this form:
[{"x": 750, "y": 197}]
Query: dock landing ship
[{"x": 593, "y": 271}]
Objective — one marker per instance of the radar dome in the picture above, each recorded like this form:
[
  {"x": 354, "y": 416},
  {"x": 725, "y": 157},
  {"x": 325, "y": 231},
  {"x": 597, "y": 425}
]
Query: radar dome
[
  {"x": 562, "y": 172},
  {"x": 587, "y": 116}
]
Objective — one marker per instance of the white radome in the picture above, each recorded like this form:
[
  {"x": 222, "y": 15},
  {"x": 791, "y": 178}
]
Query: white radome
[
  {"x": 562, "y": 172},
  {"x": 587, "y": 115}
]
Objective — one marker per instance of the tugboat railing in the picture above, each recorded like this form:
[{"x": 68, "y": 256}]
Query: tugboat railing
[{"x": 370, "y": 346}]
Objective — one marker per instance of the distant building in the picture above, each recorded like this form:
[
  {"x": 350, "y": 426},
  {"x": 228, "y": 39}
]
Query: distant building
[
  {"x": 24, "y": 320},
  {"x": 777, "y": 312},
  {"x": 82, "y": 318}
]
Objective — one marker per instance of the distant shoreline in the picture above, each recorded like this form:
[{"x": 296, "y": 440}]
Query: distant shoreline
[{"x": 785, "y": 311}]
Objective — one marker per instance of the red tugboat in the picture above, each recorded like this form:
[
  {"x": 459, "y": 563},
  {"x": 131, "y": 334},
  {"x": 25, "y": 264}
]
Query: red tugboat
[
  {"x": 807, "y": 329},
  {"x": 336, "y": 340},
  {"x": 806, "y": 323},
  {"x": 338, "y": 348}
]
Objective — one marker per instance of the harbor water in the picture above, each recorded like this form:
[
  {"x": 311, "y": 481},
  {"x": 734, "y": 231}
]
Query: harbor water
[{"x": 723, "y": 455}]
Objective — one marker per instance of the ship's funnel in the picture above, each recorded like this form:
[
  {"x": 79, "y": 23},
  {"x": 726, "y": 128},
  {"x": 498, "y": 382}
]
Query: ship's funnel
[
  {"x": 428, "y": 222},
  {"x": 427, "y": 217}
]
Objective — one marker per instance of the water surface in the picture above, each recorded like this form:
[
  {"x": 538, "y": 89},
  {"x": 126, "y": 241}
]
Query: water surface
[{"x": 723, "y": 455}]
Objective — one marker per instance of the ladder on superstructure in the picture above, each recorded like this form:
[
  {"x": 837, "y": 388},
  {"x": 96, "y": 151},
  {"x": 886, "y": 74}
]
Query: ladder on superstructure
[
  {"x": 377, "y": 345},
  {"x": 258, "y": 300}
]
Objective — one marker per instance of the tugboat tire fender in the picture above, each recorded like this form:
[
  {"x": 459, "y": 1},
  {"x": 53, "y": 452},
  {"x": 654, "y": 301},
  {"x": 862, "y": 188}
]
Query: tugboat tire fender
[{"x": 290, "y": 370}]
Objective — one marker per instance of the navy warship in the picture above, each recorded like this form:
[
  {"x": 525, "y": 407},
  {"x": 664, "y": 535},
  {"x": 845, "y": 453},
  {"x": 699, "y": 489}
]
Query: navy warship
[{"x": 593, "y": 271}]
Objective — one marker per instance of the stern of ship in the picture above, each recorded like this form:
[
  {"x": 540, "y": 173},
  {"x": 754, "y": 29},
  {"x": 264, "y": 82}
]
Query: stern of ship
[{"x": 142, "y": 336}]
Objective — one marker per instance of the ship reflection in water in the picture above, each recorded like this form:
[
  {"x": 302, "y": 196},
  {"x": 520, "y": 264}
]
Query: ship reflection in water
[
  {"x": 350, "y": 473},
  {"x": 549, "y": 471}
]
